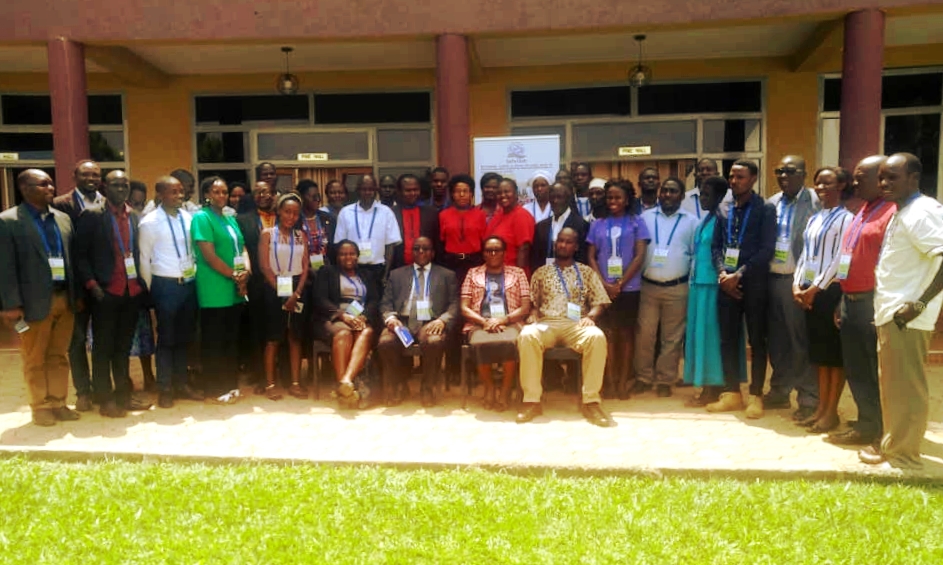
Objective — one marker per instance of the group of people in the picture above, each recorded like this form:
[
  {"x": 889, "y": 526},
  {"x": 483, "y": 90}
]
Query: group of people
[{"x": 632, "y": 281}]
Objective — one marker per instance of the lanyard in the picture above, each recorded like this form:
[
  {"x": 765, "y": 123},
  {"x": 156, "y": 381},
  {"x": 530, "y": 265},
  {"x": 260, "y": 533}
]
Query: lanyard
[
  {"x": 79, "y": 201},
  {"x": 860, "y": 222},
  {"x": 616, "y": 252},
  {"x": 787, "y": 226},
  {"x": 743, "y": 226},
  {"x": 583, "y": 205},
  {"x": 670, "y": 237},
  {"x": 173, "y": 236},
  {"x": 697, "y": 205},
  {"x": 579, "y": 279},
  {"x": 357, "y": 221},
  {"x": 358, "y": 285},
  {"x": 488, "y": 295},
  {"x": 416, "y": 283},
  {"x": 232, "y": 233},
  {"x": 276, "y": 234},
  {"x": 826, "y": 224},
  {"x": 42, "y": 233},
  {"x": 114, "y": 224}
]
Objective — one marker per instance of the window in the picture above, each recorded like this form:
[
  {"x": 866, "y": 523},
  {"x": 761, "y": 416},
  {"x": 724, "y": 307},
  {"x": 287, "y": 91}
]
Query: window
[
  {"x": 238, "y": 110},
  {"x": 897, "y": 91},
  {"x": 373, "y": 108},
  {"x": 700, "y": 98},
  {"x": 595, "y": 101}
]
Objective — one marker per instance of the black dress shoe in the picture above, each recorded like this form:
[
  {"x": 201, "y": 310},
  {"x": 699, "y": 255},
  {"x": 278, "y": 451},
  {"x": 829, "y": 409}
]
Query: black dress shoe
[
  {"x": 663, "y": 391},
  {"x": 133, "y": 404},
  {"x": 529, "y": 411},
  {"x": 639, "y": 387},
  {"x": 871, "y": 455},
  {"x": 63, "y": 414},
  {"x": 851, "y": 437},
  {"x": 83, "y": 403},
  {"x": 186, "y": 392},
  {"x": 771, "y": 402},
  {"x": 803, "y": 413},
  {"x": 165, "y": 399},
  {"x": 596, "y": 416},
  {"x": 111, "y": 410}
]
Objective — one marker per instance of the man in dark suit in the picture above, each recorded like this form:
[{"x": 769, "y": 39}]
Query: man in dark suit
[
  {"x": 562, "y": 216},
  {"x": 86, "y": 194},
  {"x": 420, "y": 298},
  {"x": 37, "y": 290},
  {"x": 107, "y": 265},
  {"x": 414, "y": 220}
]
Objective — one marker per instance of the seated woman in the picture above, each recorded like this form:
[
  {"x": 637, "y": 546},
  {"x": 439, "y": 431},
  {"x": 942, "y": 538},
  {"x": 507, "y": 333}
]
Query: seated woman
[
  {"x": 495, "y": 302},
  {"x": 283, "y": 252},
  {"x": 347, "y": 307}
]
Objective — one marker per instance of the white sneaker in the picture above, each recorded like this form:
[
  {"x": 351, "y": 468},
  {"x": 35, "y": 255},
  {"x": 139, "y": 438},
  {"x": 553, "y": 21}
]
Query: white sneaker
[{"x": 755, "y": 408}]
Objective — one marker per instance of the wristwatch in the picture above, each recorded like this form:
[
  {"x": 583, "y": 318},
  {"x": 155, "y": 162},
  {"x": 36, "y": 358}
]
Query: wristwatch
[{"x": 919, "y": 306}]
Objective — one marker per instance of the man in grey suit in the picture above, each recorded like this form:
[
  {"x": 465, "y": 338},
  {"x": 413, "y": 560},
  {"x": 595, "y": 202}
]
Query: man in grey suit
[
  {"x": 789, "y": 344},
  {"x": 420, "y": 301},
  {"x": 37, "y": 290}
]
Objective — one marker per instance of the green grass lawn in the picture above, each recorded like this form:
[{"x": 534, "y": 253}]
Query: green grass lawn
[{"x": 185, "y": 514}]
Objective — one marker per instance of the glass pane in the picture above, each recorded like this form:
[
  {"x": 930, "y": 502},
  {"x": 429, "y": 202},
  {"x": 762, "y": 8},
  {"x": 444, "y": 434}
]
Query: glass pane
[
  {"x": 26, "y": 110},
  {"x": 106, "y": 146},
  {"x": 236, "y": 110},
  {"x": 603, "y": 140},
  {"x": 700, "y": 98},
  {"x": 373, "y": 108},
  {"x": 599, "y": 101},
  {"x": 544, "y": 130},
  {"x": 339, "y": 146},
  {"x": 29, "y": 146},
  {"x": 831, "y": 95},
  {"x": 918, "y": 134},
  {"x": 830, "y": 134},
  {"x": 399, "y": 145},
  {"x": 104, "y": 109},
  {"x": 725, "y": 136},
  {"x": 221, "y": 147},
  {"x": 897, "y": 91}
]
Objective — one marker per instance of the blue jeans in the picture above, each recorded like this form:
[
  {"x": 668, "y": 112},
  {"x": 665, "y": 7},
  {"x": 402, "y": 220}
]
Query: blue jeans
[{"x": 176, "y": 307}]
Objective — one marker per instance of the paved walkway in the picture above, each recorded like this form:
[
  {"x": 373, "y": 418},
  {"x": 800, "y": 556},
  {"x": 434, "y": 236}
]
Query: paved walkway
[{"x": 653, "y": 435}]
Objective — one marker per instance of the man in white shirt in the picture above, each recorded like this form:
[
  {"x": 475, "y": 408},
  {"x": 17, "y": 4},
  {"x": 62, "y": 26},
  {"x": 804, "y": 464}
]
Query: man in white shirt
[
  {"x": 664, "y": 296},
  {"x": 372, "y": 226},
  {"x": 189, "y": 186},
  {"x": 691, "y": 203},
  {"x": 907, "y": 301},
  {"x": 168, "y": 268}
]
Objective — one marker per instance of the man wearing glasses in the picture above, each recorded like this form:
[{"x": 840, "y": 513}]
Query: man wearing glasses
[
  {"x": 420, "y": 303},
  {"x": 789, "y": 344}
]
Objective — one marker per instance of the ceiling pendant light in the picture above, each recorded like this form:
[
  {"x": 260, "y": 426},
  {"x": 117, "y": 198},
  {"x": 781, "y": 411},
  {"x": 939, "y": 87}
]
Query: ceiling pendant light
[
  {"x": 640, "y": 75},
  {"x": 287, "y": 83}
]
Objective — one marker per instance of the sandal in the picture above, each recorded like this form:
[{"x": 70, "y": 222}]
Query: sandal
[
  {"x": 273, "y": 392},
  {"x": 821, "y": 427},
  {"x": 298, "y": 391}
]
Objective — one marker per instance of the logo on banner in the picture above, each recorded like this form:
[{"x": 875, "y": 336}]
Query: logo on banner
[{"x": 516, "y": 151}]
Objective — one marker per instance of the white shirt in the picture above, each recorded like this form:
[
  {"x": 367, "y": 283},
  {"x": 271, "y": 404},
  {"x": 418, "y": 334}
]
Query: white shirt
[
  {"x": 385, "y": 230},
  {"x": 85, "y": 202},
  {"x": 822, "y": 250},
  {"x": 585, "y": 208},
  {"x": 534, "y": 208},
  {"x": 910, "y": 258},
  {"x": 786, "y": 227},
  {"x": 680, "y": 244},
  {"x": 692, "y": 203},
  {"x": 156, "y": 238}
]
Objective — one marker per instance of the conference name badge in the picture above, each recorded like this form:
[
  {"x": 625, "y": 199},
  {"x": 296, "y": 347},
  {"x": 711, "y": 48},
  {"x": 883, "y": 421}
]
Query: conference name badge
[
  {"x": 284, "y": 287},
  {"x": 660, "y": 257},
  {"x": 808, "y": 274},
  {"x": 239, "y": 263},
  {"x": 130, "y": 268},
  {"x": 781, "y": 254},
  {"x": 614, "y": 267},
  {"x": 423, "y": 310},
  {"x": 731, "y": 258},
  {"x": 355, "y": 308},
  {"x": 573, "y": 311},
  {"x": 57, "y": 266},
  {"x": 188, "y": 268},
  {"x": 550, "y": 261},
  {"x": 366, "y": 250},
  {"x": 844, "y": 265},
  {"x": 497, "y": 309},
  {"x": 316, "y": 261}
]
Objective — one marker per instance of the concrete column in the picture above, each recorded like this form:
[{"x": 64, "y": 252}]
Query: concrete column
[
  {"x": 862, "y": 63},
  {"x": 68, "y": 92},
  {"x": 452, "y": 131}
]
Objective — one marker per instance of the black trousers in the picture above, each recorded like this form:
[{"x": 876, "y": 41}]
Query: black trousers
[
  {"x": 859, "y": 343},
  {"x": 113, "y": 322},
  {"x": 78, "y": 354},
  {"x": 219, "y": 348},
  {"x": 731, "y": 314}
]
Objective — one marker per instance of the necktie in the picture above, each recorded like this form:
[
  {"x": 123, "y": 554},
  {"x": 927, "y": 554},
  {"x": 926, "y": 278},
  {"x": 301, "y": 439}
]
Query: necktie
[{"x": 414, "y": 323}]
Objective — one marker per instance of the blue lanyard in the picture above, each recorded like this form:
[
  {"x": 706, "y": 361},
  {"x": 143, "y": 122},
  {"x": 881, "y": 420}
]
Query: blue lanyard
[
  {"x": 743, "y": 225},
  {"x": 697, "y": 205},
  {"x": 357, "y": 221},
  {"x": 291, "y": 254},
  {"x": 580, "y": 202},
  {"x": 357, "y": 284},
  {"x": 79, "y": 201},
  {"x": 173, "y": 236},
  {"x": 488, "y": 295},
  {"x": 616, "y": 251},
  {"x": 416, "y": 283},
  {"x": 826, "y": 224},
  {"x": 579, "y": 279},
  {"x": 856, "y": 235},
  {"x": 114, "y": 224},
  {"x": 670, "y": 237},
  {"x": 779, "y": 219},
  {"x": 42, "y": 234},
  {"x": 232, "y": 233}
]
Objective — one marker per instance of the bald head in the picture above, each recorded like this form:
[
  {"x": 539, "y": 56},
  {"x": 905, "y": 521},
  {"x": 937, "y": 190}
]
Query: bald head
[
  {"x": 170, "y": 191},
  {"x": 790, "y": 174},
  {"x": 87, "y": 176},
  {"x": 566, "y": 245},
  {"x": 36, "y": 187},
  {"x": 423, "y": 251},
  {"x": 117, "y": 187},
  {"x": 865, "y": 177}
]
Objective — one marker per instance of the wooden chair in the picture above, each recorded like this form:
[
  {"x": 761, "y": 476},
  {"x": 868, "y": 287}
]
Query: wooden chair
[
  {"x": 556, "y": 353},
  {"x": 314, "y": 365}
]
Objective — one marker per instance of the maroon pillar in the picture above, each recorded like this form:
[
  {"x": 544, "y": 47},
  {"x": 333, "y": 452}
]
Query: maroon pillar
[
  {"x": 69, "y": 108},
  {"x": 452, "y": 103},
  {"x": 862, "y": 63}
]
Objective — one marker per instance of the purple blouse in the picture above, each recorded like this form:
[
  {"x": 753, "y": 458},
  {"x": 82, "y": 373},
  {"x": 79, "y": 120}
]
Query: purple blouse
[{"x": 601, "y": 234}]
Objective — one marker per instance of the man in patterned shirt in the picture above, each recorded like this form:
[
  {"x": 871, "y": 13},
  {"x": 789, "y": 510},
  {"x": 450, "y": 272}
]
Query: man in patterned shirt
[{"x": 568, "y": 298}]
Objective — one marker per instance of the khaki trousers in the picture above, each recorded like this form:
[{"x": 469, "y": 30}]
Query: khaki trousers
[
  {"x": 669, "y": 306},
  {"x": 904, "y": 393},
  {"x": 535, "y": 338},
  {"x": 45, "y": 352}
]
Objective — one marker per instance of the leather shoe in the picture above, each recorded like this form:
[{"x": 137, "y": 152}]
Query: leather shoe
[
  {"x": 133, "y": 404},
  {"x": 771, "y": 402},
  {"x": 639, "y": 387},
  {"x": 186, "y": 392},
  {"x": 63, "y": 414},
  {"x": 803, "y": 413},
  {"x": 111, "y": 410},
  {"x": 529, "y": 411},
  {"x": 165, "y": 399},
  {"x": 663, "y": 391},
  {"x": 851, "y": 437},
  {"x": 83, "y": 403},
  {"x": 596, "y": 416},
  {"x": 44, "y": 417},
  {"x": 871, "y": 455}
]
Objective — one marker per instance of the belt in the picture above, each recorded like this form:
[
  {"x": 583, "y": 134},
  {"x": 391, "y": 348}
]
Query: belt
[
  {"x": 672, "y": 282},
  {"x": 463, "y": 256},
  {"x": 859, "y": 296},
  {"x": 178, "y": 280},
  {"x": 782, "y": 275}
]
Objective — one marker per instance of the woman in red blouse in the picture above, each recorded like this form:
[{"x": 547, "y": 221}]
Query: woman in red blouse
[
  {"x": 514, "y": 225},
  {"x": 461, "y": 228}
]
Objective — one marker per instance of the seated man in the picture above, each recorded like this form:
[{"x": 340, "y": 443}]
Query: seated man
[
  {"x": 422, "y": 299},
  {"x": 568, "y": 297}
]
